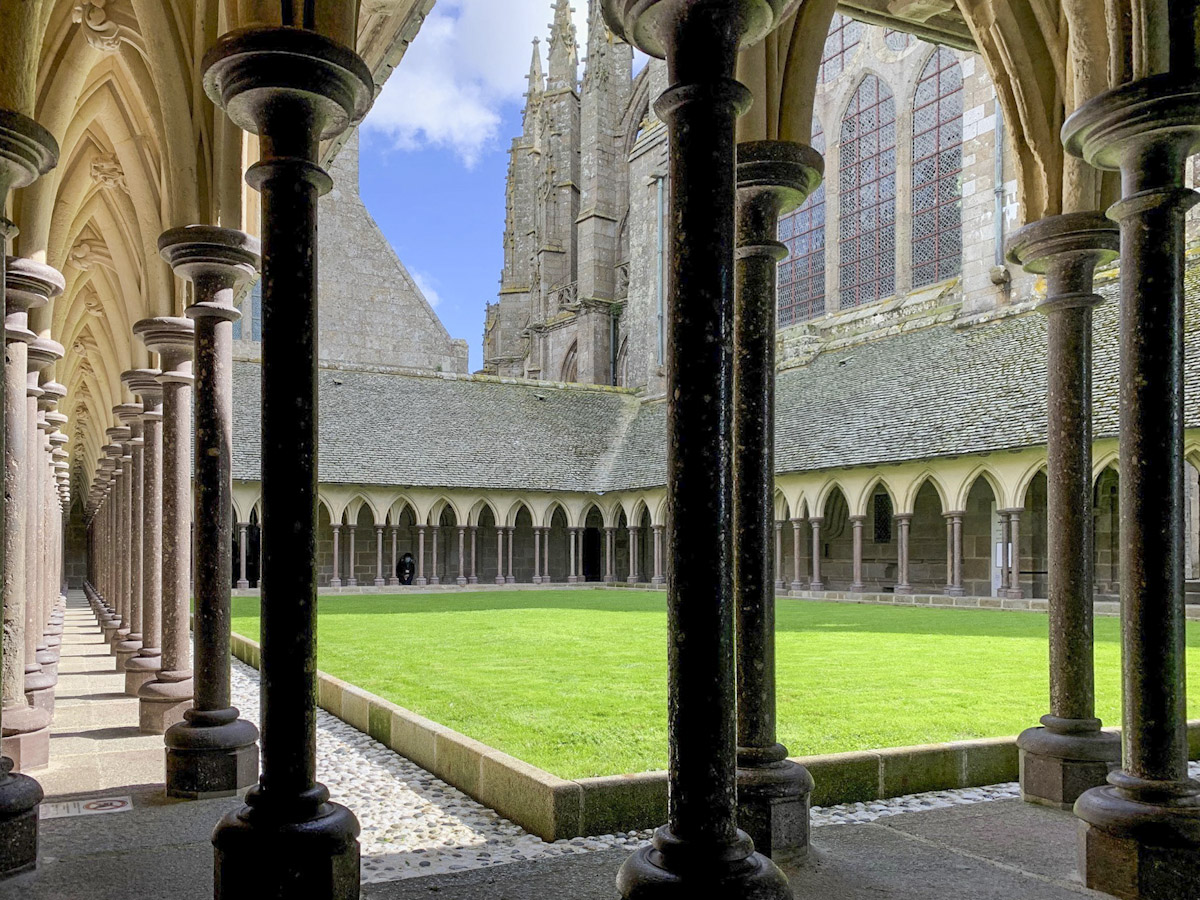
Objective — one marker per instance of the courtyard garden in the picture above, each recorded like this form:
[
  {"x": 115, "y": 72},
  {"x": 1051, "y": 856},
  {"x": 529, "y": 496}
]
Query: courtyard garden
[{"x": 574, "y": 681}]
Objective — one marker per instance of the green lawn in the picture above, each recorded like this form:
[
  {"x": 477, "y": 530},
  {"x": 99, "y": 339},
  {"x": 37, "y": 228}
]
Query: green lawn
[{"x": 575, "y": 681}]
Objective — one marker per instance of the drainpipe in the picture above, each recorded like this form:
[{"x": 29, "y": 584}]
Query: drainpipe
[{"x": 661, "y": 179}]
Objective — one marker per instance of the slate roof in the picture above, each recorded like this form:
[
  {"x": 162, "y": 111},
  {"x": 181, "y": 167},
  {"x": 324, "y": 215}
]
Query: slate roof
[{"x": 937, "y": 391}]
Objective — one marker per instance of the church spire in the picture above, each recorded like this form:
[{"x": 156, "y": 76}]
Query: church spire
[
  {"x": 564, "y": 51},
  {"x": 537, "y": 86}
]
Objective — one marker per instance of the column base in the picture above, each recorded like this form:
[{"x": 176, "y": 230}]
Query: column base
[
  {"x": 816, "y": 585},
  {"x": 211, "y": 754},
  {"x": 952, "y": 591},
  {"x": 609, "y": 579},
  {"x": 127, "y": 650},
  {"x": 39, "y": 691},
  {"x": 243, "y": 584},
  {"x": 260, "y": 855},
  {"x": 658, "y": 579},
  {"x": 141, "y": 670},
  {"x": 434, "y": 581},
  {"x": 460, "y": 581},
  {"x": 26, "y": 738},
  {"x": 473, "y": 580},
  {"x": 774, "y": 797},
  {"x": 672, "y": 868},
  {"x": 857, "y": 588},
  {"x": 902, "y": 589},
  {"x": 499, "y": 579},
  {"x": 511, "y": 579},
  {"x": 632, "y": 579},
  {"x": 393, "y": 582},
  {"x": 796, "y": 586},
  {"x": 109, "y": 629},
  {"x": 162, "y": 703},
  {"x": 537, "y": 579},
  {"x": 1140, "y": 850},
  {"x": 335, "y": 582},
  {"x": 572, "y": 579},
  {"x": 48, "y": 660},
  {"x": 779, "y": 585},
  {"x": 19, "y": 799},
  {"x": 1058, "y": 765},
  {"x": 420, "y": 582},
  {"x": 379, "y": 582},
  {"x": 352, "y": 582}
]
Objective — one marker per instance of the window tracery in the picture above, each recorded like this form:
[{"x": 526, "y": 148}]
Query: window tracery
[
  {"x": 937, "y": 170},
  {"x": 801, "y": 284}
]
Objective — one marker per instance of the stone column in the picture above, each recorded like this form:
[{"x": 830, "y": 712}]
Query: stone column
[
  {"x": 511, "y": 579},
  {"x": 473, "y": 578},
  {"x": 956, "y": 583},
  {"x": 1014, "y": 566},
  {"x": 610, "y": 543},
  {"x": 856, "y": 522},
  {"x": 462, "y": 556},
  {"x": 351, "y": 578},
  {"x": 393, "y": 579},
  {"x": 50, "y": 420},
  {"x": 213, "y": 752},
  {"x": 546, "y": 556},
  {"x": 633, "y": 556},
  {"x": 700, "y": 851},
  {"x": 26, "y": 741},
  {"x": 121, "y": 498},
  {"x": 537, "y": 555},
  {"x": 293, "y": 87},
  {"x": 1142, "y": 832},
  {"x": 26, "y": 151},
  {"x": 243, "y": 535},
  {"x": 499, "y": 554},
  {"x": 420, "y": 579},
  {"x": 949, "y": 553},
  {"x": 815, "y": 583},
  {"x": 336, "y": 580},
  {"x": 145, "y": 665},
  {"x": 904, "y": 521},
  {"x": 1069, "y": 753},
  {"x": 797, "y": 546},
  {"x": 1005, "y": 559},
  {"x": 434, "y": 577},
  {"x": 379, "y": 581},
  {"x": 41, "y": 354},
  {"x": 773, "y": 177},
  {"x": 130, "y": 415},
  {"x": 658, "y": 577},
  {"x": 572, "y": 533},
  {"x": 778, "y": 556},
  {"x": 162, "y": 702}
]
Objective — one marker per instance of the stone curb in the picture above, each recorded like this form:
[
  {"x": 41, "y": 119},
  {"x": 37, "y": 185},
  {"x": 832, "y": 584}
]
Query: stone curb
[{"x": 554, "y": 808}]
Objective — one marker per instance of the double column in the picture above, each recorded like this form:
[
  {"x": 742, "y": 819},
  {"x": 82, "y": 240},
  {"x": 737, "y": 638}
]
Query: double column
[
  {"x": 293, "y": 87},
  {"x": 212, "y": 752},
  {"x": 143, "y": 666},
  {"x": 130, "y": 417},
  {"x": 700, "y": 850},
  {"x": 773, "y": 177},
  {"x": 1142, "y": 832},
  {"x": 162, "y": 701}
]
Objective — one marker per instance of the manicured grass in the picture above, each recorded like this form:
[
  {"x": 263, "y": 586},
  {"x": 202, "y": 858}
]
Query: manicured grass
[{"x": 575, "y": 681}]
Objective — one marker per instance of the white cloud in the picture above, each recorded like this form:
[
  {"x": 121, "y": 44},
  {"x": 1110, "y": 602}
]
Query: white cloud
[
  {"x": 426, "y": 284},
  {"x": 469, "y": 59}
]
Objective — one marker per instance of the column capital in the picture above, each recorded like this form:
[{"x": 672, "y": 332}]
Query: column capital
[
  {"x": 130, "y": 415},
  {"x": 816, "y": 520},
  {"x": 783, "y": 174},
  {"x": 172, "y": 338},
  {"x": 1012, "y": 511},
  {"x": 144, "y": 383},
  {"x": 119, "y": 435},
  {"x": 43, "y": 352},
  {"x": 858, "y": 520},
  {"x": 29, "y": 284},
  {"x": 954, "y": 514},
  {"x": 27, "y": 151},
  {"x": 196, "y": 252},
  {"x": 648, "y": 26},
  {"x": 903, "y": 517}
]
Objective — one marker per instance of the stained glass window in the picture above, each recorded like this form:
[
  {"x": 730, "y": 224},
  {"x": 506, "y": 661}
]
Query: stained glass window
[
  {"x": 937, "y": 170},
  {"x": 867, "y": 195},
  {"x": 897, "y": 40},
  {"x": 845, "y": 34},
  {"x": 802, "y": 272}
]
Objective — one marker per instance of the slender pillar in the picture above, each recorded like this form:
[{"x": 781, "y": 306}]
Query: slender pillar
[
  {"x": 773, "y": 177},
  {"x": 1068, "y": 753},
  {"x": 351, "y": 578},
  {"x": 499, "y": 554},
  {"x": 1005, "y": 552},
  {"x": 1014, "y": 562},
  {"x": 336, "y": 580},
  {"x": 700, "y": 850},
  {"x": 572, "y": 533},
  {"x": 904, "y": 521},
  {"x": 243, "y": 535},
  {"x": 610, "y": 563},
  {"x": 145, "y": 665},
  {"x": 130, "y": 416},
  {"x": 658, "y": 577},
  {"x": 778, "y": 556},
  {"x": 537, "y": 554},
  {"x": 634, "y": 577},
  {"x": 163, "y": 701},
  {"x": 856, "y": 523},
  {"x": 213, "y": 752},
  {"x": 461, "y": 579},
  {"x": 1142, "y": 837},
  {"x": 436, "y": 529},
  {"x": 797, "y": 548},
  {"x": 121, "y": 499},
  {"x": 473, "y": 578},
  {"x": 379, "y": 581},
  {"x": 956, "y": 585},
  {"x": 26, "y": 151},
  {"x": 420, "y": 579},
  {"x": 293, "y": 87},
  {"x": 26, "y": 737},
  {"x": 511, "y": 579},
  {"x": 815, "y": 583},
  {"x": 393, "y": 579}
]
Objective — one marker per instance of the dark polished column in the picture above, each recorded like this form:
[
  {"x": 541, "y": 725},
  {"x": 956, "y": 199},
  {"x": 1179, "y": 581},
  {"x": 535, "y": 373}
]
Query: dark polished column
[
  {"x": 130, "y": 417},
  {"x": 292, "y": 87},
  {"x": 700, "y": 850},
  {"x": 773, "y": 178},
  {"x": 212, "y": 752},
  {"x": 145, "y": 664},
  {"x": 1142, "y": 837},
  {"x": 1068, "y": 753},
  {"x": 162, "y": 701},
  {"x": 26, "y": 151}
]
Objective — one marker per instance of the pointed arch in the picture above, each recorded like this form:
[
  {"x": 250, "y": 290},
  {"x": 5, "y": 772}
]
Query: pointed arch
[
  {"x": 477, "y": 510},
  {"x": 1026, "y": 479},
  {"x": 859, "y": 503},
  {"x": 930, "y": 478},
  {"x": 993, "y": 481}
]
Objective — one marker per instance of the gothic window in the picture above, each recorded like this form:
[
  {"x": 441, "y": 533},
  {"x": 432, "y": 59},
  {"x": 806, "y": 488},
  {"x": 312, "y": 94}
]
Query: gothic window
[
  {"x": 883, "y": 517},
  {"x": 867, "y": 195},
  {"x": 937, "y": 170},
  {"x": 570, "y": 366},
  {"x": 845, "y": 34},
  {"x": 897, "y": 40},
  {"x": 802, "y": 272}
]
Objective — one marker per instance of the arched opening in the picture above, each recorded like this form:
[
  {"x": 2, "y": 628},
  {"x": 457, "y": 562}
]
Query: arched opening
[
  {"x": 1033, "y": 566},
  {"x": 836, "y": 545},
  {"x": 570, "y": 366},
  {"x": 558, "y": 547},
  {"x": 485, "y": 544},
  {"x": 927, "y": 543},
  {"x": 982, "y": 542},
  {"x": 404, "y": 535},
  {"x": 1106, "y": 533},
  {"x": 592, "y": 562},
  {"x": 522, "y": 537}
]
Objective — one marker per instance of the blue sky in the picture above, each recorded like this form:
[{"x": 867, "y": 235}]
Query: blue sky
[{"x": 434, "y": 149}]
